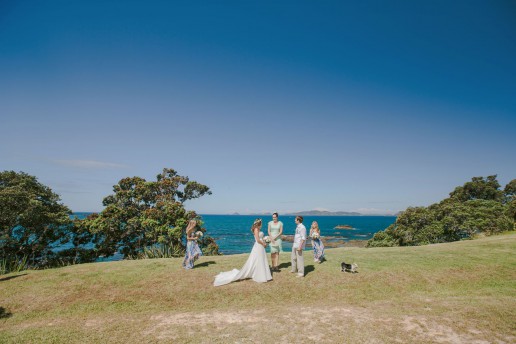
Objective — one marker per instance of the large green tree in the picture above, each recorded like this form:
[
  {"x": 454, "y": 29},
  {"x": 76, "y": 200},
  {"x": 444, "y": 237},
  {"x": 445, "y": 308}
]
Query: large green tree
[
  {"x": 479, "y": 206},
  {"x": 510, "y": 200},
  {"x": 33, "y": 221},
  {"x": 141, "y": 214}
]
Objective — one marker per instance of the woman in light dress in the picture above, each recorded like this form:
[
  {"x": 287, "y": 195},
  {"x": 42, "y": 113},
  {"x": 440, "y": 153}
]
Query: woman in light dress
[
  {"x": 275, "y": 229},
  {"x": 193, "y": 251},
  {"x": 256, "y": 266},
  {"x": 317, "y": 243}
]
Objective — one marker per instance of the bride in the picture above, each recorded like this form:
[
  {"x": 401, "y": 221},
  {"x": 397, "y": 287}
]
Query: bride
[{"x": 256, "y": 267}]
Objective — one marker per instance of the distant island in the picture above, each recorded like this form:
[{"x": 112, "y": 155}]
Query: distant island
[
  {"x": 343, "y": 227},
  {"x": 315, "y": 213},
  {"x": 311, "y": 213},
  {"x": 325, "y": 213}
]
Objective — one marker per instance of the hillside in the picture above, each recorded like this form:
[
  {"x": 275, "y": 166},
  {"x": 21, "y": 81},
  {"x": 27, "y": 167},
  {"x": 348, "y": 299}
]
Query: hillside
[{"x": 461, "y": 292}]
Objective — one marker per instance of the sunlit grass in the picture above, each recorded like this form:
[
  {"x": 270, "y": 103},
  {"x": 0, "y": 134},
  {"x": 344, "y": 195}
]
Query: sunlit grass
[{"x": 464, "y": 290}]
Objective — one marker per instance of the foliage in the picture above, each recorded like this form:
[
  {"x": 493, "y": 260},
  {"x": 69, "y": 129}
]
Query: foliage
[
  {"x": 143, "y": 216},
  {"x": 510, "y": 200},
  {"x": 158, "y": 251},
  {"x": 478, "y": 188},
  {"x": 12, "y": 264},
  {"x": 476, "y": 207},
  {"x": 32, "y": 221}
]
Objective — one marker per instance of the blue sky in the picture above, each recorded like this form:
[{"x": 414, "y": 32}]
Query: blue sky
[{"x": 369, "y": 106}]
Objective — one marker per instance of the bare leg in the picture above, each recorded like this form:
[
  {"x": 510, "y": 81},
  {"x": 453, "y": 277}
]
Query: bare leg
[{"x": 274, "y": 260}]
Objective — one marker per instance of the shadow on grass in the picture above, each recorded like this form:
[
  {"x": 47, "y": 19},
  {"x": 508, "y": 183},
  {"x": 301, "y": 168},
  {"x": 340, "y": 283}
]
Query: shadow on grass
[
  {"x": 10, "y": 277},
  {"x": 4, "y": 314},
  {"x": 308, "y": 269},
  {"x": 204, "y": 264},
  {"x": 284, "y": 265}
]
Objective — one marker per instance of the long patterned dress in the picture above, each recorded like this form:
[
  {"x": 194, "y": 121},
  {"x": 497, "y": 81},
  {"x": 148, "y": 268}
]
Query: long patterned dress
[
  {"x": 193, "y": 251},
  {"x": 318, "y": 249}
]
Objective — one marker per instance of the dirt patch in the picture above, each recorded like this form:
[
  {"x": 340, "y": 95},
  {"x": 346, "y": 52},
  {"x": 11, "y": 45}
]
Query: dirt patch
[
  {"x": 424, "y": 328},
  {"x": 312, "y": 324}
]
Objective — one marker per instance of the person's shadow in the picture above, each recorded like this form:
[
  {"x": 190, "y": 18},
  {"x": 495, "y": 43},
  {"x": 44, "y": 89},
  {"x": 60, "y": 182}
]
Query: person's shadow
[
  {"x": 308, "y": 269},
  {"x": 204, "y": 264},
  {"x": 284, "y": 265},
  {"x": 4, "y": 313},
  {"x": 10, "y": 277}
]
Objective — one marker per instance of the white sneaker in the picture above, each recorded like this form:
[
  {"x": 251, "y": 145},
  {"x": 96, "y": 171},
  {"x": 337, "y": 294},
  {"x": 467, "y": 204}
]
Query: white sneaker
[{"x": 300, "y": 275}]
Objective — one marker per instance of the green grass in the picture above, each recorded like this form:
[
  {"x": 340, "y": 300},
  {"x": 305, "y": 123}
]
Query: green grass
[{"x": 456, "y": 292}]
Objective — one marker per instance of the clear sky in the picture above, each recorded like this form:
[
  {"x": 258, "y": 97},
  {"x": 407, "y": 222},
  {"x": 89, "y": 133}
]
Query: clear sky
[{"x": 368, "y": 106}]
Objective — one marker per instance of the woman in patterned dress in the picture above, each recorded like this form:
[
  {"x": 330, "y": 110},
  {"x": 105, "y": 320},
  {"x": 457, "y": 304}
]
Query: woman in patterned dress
[
  {"x": 317, "y": 243},
  {"x": 193, "y": 251}
]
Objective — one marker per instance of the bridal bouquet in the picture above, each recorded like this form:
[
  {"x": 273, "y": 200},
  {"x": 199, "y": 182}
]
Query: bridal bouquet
[
  {"x": 315, "y": 235},
  {"x": 267, "y": 239},
  {"x": 198, "y": 234}
]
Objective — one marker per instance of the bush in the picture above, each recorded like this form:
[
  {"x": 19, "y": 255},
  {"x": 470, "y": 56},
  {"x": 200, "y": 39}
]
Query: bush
[{"x": 461, "y": 216}]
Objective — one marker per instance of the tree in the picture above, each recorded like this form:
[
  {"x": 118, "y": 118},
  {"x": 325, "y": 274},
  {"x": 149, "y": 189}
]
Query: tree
[
  {"x": 510, "y": 200},
  {"x": 476, "y": 207},
  {"x": 141, "y": 214},
  {"x": 478, "y": 188},
  {"x": 32, "y": 219}
]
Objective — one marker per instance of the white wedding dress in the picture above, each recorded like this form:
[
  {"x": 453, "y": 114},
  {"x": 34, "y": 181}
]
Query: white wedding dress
[{"x": 256, "y": 267}]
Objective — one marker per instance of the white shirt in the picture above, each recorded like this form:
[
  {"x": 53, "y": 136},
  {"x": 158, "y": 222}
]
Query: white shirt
[{"x": 300, "y": 236}]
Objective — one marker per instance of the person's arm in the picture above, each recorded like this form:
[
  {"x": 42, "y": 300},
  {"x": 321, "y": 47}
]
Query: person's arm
[
  {"x": 269, "y": 229},
  {"x": 191, "y": 238},
  {"x": 303, "y": 238}
]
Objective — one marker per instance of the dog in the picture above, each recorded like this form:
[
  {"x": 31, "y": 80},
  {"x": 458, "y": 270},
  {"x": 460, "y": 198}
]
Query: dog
[{"x": 349, "y": 267}]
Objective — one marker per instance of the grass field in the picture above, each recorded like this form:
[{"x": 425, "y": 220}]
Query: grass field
[{"x": 462, "y": 292}]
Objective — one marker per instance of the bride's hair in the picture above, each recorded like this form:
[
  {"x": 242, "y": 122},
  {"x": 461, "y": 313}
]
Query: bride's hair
[
  {"x": 191, "y": 226},
  {"x": 315, "y": 225},
  {"x": 256, "y": 223}
]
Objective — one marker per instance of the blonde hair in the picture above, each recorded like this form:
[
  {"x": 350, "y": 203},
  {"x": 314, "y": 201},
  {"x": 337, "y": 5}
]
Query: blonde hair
[
  {"x": 315, "y": 225},
  {"x": 257, "y": 223},
  {"x": 191, "y": 226}
]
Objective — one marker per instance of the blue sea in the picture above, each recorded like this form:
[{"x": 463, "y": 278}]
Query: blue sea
[{"x": 232, "y": 232}]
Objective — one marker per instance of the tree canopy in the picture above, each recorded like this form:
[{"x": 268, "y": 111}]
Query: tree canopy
[
  {"x": 35, "y": 227},
  {"x": 140, "y": 214},
  {"x": 479, "y": 206},
  {"x": 32, "y": 219}
]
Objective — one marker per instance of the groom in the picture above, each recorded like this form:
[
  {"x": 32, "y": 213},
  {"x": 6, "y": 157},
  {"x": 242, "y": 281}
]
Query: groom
[{"x": 298, "y": 264}]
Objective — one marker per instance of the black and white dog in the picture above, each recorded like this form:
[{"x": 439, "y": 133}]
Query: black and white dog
[{"x": 348, "y": 267}]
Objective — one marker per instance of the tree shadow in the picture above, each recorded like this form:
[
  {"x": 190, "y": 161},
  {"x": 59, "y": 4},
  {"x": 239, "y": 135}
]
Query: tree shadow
[
  {"x": 204, "y": 264},
  {"x": 10, "y": 277},
  {"x": 4, "y": 314}
]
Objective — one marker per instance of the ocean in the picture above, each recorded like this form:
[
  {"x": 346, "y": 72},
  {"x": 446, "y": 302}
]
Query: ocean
[{"x": 232, "y": 232}]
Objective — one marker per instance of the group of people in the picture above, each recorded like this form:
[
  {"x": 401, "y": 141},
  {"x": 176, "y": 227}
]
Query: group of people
[{"x": 257, "y": 265}]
